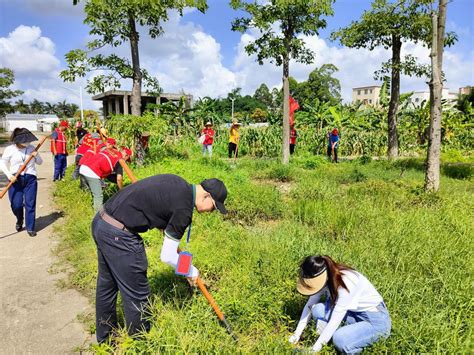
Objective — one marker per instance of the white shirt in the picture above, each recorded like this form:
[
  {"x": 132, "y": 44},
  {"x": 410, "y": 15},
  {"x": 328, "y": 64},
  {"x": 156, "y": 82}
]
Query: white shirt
[
  {"x": 169, "y": 255},
  {"x": 17, "y": 157},
  {"x": 361, "y": 296},
  {"x": 88, "y": 172}
]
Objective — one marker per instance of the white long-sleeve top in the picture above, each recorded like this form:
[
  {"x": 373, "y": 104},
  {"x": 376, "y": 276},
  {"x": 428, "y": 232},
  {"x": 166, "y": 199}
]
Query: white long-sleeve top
[
  {"x": 361, "y": 296},
  {"x": 16, "y": 157},
  {"x": 169, "y": 255}
]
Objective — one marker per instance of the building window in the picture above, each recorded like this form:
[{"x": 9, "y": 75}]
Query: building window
[
  {"x": 366, "y": 91},
  {"x": 417, "y": 99},
  {"x": 358, "y": 92},
  {"x": 370, "y": 101},
  {"x": 371, "y": 91}
]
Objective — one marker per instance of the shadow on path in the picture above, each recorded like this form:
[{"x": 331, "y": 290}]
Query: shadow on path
[{"x": 44, "y": 221}]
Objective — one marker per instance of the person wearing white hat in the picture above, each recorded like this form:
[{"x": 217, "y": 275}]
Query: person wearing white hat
[
  {"x": 350, "y": 297},
  {"x": 22, "y": 193}
]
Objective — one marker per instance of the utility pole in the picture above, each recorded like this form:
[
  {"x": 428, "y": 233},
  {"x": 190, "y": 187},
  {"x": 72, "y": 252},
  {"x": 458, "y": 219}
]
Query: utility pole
[{"x": 233, "y": 99}]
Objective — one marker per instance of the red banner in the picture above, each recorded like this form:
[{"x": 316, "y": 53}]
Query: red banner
[{"x": 293, "y": 107}]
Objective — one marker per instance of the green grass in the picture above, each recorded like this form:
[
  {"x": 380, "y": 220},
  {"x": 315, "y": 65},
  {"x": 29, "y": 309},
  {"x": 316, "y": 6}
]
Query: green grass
[{"x": 373, "y": 215}]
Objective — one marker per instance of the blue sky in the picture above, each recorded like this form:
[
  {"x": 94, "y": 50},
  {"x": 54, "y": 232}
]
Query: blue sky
[{"x": 200, "y": 54}]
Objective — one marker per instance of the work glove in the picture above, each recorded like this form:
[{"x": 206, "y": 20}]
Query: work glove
[{"x": 293, "y": 339}]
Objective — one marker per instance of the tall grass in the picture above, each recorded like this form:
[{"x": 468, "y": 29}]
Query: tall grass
[{"x": 415, "y": 248}]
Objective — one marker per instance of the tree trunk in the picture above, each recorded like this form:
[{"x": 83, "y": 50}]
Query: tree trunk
[
  {"x": 136, "y": 98},
  {"x": 432, "y": 173},
  {"x": 392, "y": 151},
  {"x": 286, "y": 111}
]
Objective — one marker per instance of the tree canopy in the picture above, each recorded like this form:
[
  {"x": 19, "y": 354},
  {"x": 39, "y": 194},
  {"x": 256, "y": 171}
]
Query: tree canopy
[{"x": 7, "y": 79}]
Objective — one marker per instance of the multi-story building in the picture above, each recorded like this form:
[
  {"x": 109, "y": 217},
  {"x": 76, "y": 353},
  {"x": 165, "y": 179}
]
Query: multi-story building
[
  {"x": 368, "y": 95},
  {"x": 419, "y": 96},
  {"x": 466, "y": 90}
]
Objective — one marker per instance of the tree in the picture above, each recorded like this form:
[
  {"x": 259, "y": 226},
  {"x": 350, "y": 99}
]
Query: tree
[
  {"x": 115, "y": 22},
  {"x": 7, "y": 78},
  {"x": 259, "y": 115},
  {"x": 263, "y": 95},
  {"x": 389, "y": 24},
  {"x": 21, "y": 107},
  {"x": 320, "y": 86},
  {"x": 438, "y": 22},
  {"x": 293, "y": 18}
]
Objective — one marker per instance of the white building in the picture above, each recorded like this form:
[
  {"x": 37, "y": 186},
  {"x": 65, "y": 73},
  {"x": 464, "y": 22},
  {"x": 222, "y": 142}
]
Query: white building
[
  {"x": 419, "y": 97},
  {"x": 33, "y": 122},
  {"x": 367, "y": 95}
]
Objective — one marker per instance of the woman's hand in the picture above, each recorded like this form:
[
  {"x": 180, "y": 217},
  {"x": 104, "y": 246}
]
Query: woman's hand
[
  {"x": 34, "y": 153},
  {"x": 12, "y": 178},
  {"x": 293, "y": 339}
]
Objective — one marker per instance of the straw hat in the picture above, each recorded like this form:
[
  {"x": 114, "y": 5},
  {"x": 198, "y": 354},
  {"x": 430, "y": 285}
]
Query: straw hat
[
  {"x": 235, "y": 123},
  {"x": 312, "y": 285},
  {"x": 208, "y": 123}
]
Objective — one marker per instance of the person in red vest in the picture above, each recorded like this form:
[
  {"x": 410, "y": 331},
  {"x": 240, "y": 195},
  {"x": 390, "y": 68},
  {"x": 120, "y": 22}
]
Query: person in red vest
[
  {"x": 90, "y": 142},
  {"x": 98, "y": 166},
  {"x": 293, "y": 135},
  {"x": 59, "y": 150},
  {"x": 208, "y": 132}
]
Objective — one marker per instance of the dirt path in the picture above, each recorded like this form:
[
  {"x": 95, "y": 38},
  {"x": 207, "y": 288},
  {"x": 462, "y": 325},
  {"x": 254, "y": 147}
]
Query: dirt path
[{"x": 37, "y": 317}]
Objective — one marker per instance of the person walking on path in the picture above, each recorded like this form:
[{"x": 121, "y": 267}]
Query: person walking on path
[
  {"x": 208, "y": 132},
  {"x": 59, "y": 150},
  {"x": 234, "y": 138},
  {"x": 350, "y": 297},
  {"x": 96, "y": 167},
  {"x": 333, "y": 144},
  {"x": 165, "y": 202},
  {"x": 22, "y": 193},
  {"x": 80, "y": 133},
  {"x": 293, "y": 136}
]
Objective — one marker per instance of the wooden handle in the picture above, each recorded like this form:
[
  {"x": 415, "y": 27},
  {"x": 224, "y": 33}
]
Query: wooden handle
[
  {"x": 128, "y": 171},
  {"x": 23, "y": 167}
]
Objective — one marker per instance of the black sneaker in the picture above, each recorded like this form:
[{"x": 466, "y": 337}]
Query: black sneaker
[
  {"x": 19, "y": 226},
  {"x": 32, "y": 233}
]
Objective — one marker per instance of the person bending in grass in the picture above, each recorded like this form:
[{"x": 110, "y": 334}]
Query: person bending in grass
[
  {"x": 350, "y": 297},
  {"x": 165, "y": 202}
]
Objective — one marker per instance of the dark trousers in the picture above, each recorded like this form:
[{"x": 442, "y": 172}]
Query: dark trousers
[
  {"x": 75, "y": 173},
  {"x": 330, "y": 153},
  {"x": 292, "y": 148},
  {"x": 60, "y": 163},
  {"x": 233, "y": 150},
  {"x": 122, "y": 267},
  {"x": 22, "y": 194}
]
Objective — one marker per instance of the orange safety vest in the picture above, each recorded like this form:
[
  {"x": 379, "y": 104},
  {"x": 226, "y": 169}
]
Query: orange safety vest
[{"x": 60, "y": 143}]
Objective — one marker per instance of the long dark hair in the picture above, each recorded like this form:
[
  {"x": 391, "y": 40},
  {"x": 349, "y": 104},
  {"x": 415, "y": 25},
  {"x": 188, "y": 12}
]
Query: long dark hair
[{"x": 313, "y": 265}]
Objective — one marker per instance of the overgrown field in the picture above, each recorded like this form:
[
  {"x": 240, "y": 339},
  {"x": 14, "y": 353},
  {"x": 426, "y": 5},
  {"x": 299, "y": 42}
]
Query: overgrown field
[{"x": 373, "y": 215}]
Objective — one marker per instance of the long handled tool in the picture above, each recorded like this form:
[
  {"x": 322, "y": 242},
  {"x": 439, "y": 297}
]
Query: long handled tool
[
  {"x": 199, "y": 281},
  {"x": 23, "y": 167}
]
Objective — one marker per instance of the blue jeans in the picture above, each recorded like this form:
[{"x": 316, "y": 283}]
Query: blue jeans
[
  {"x": 23, "y": 194},
  {"x": 60, "y": 163},
  {"x": 208, "y": 148},
  {"x": 362, "y": 328}
]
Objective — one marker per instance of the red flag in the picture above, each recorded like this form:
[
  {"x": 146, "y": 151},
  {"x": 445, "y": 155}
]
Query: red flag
[{"x": 293, "y": 107}]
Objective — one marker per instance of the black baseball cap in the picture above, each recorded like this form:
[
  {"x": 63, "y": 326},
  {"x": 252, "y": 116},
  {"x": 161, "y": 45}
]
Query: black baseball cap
[{"x": 218, "y": 192}]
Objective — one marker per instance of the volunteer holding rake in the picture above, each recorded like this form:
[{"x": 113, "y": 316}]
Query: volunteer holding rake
[
  {"x": 350, "y": 297},
  {"x": 164, "y": 202},
  {"x": 23, "y": 192}
]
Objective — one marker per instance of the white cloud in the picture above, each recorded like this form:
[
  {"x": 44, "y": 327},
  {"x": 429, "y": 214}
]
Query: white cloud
[
  {"x": 53, "y": 7},
  {"x": 26, "y": 52}
]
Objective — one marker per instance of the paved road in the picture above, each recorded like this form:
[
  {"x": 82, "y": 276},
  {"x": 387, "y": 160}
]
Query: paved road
[{"x": 36, "y": 316}]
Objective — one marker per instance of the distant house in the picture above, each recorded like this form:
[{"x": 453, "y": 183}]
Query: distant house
[
  {"x": 419, "y": 97},
  {"x": 367, "y": 95},
  {"x": 33, "y": 122}
]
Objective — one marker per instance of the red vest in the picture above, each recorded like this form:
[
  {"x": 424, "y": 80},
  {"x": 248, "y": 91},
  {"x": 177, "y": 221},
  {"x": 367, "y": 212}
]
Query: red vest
[
  {"x": 293, "y": 136},
  {"x": 103, "y": 162},
  {"x": 60, "y": 143},
  {"x": 209, "y": 132},
  {"x": 88, "y": 143}
]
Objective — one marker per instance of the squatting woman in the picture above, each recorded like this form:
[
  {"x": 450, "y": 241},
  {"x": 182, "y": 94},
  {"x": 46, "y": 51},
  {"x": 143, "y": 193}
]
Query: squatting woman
[{"x": 349, "y": 297}]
